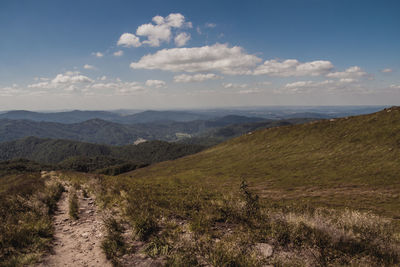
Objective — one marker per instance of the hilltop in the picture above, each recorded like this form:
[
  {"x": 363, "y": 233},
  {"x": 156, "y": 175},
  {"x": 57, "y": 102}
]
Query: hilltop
[{"x": 324, "y": 162}]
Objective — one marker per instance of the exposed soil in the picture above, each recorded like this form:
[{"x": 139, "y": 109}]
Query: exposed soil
[{"x": 77, "y": 242}]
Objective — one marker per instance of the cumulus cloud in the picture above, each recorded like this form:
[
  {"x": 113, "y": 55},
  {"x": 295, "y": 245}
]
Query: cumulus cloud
[
  {"x": 350, "y": 73},
  {"x": 330, "y": 86},
  {"x": 155, "y": 83},
  {"x": 98, "y": 54},
  {"x": 88, "y": 67},
  {"x": 387, "y": 70},
  {"x": 66, "y": 81},
  {"x": 161, "y": 30},
  {"x": 128, "y": 40},
  {"x": 185, "y": 78},
  {"x": 218, "y": 57},
  {"x": 71, "y": 78},
  {"x": 118, "y": 87},
  {"x": 182, "y": 38},
  {"x": 118, "y": 53},
  {"x": 210, "y": 25},
  {"x": 395, "y": 86},
  {"x": 234, "y": 85},
  {"x": 292, "y": 67}
]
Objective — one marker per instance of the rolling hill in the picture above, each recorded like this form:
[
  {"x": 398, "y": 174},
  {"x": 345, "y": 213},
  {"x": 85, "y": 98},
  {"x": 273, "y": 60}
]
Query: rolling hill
[
  {"x": 78, "y": 155},
  {"x": 343, "y": 162},
  {"x": 106, "y": 132}
]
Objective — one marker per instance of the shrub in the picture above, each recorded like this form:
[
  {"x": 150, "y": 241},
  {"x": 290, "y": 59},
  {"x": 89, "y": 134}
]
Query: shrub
[
  {"x": 144, "y": 226},
  {"x": 73, "y": 206},
  {"x": 113, "y": 244}
]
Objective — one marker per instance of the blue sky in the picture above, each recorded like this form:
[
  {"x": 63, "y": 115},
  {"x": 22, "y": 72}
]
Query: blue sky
[{"x": 199, "y": 53}]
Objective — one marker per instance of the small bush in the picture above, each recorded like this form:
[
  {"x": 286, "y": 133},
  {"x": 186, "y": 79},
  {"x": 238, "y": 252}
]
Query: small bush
[
  {"x": 73, "y": 206},
  {"x": 252, "y": 205},
  {"x": 157, "y": 247},
  {"x": 113, "y": 244},
  {"x": 144, "y": 226},
  {"x": 85, "y": 193}
]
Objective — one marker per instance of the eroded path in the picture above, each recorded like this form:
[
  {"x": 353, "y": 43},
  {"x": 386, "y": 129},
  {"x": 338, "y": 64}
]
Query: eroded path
[{"x": 77, "y": 242}]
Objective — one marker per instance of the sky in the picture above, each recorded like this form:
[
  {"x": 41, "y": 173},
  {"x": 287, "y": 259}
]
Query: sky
[{"x": 103, "y": 55}]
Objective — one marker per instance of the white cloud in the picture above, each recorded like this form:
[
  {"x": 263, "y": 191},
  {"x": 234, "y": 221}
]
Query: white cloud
[
  {"x": 387, "y": 70},
  {"x": 66, "y": 81},
  {"x": 210, "y": 25},
  {"x": 395, "y": 86},
  {"x": 249, "y": 91},
  {"x": 234, "y": 85},
  {"x": 158, "y": 20},
  {"x": 292, "y": 67},
  {"x": 350, "y": 73},
  {"x": 155, "y": 33},
  {"x": 347, "y": 80},
  {"x": 119, "y": 87},
  {"x": 103, "y": 78},
  {"x": 182, "y": 38},
  {"x": 330, "y": 86},
  {"x": 128, "y": 40},
  {"x": 218, "y": 57},
  {"x": 185, "y": 78},
  {"x": 98, "y": 54},
  {"x": 71, "y": 78},
  {"x": 118, "y": 53},
  {"x": 155, "y": 83},
  {"x": 161, "y": 31},
  {"x": 40, "y": 85},
  {"x": 88, "y": 67},
  {"x": 11, "y": 91}
]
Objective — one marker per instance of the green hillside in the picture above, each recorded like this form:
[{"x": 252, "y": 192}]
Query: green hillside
[
  {"x": 340, "y": 162},
  {"x": 87, "y": 157},
  {"x": 323, "y": 193}
]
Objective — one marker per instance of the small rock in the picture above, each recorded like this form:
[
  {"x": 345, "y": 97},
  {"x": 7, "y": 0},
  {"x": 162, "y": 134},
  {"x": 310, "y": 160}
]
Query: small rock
[
  {"x": 85, "y": 235},
  {"x": 265, "y": 249}
]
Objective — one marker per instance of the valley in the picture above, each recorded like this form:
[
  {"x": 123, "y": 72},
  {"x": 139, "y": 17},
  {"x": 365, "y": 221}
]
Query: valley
[{"x": 323, "y": 192}]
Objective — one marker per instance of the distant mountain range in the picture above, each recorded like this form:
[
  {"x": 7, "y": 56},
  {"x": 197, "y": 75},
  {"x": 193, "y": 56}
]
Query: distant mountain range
[
  {"x": 194, "y": 127},
  {"x": 106, "y": 132},
  {"x": 77, "y": 116},
  {"x": 150, "y": 116}
]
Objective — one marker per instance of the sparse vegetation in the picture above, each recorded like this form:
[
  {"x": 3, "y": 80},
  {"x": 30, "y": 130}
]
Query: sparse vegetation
[
  {"x": 202, "y": 213},
  {"x": 309, "y": 198},
  {"x": 26, "y": 203},
  {"x": 113, "y": 244},
  {"x": 73, "y": 205}
]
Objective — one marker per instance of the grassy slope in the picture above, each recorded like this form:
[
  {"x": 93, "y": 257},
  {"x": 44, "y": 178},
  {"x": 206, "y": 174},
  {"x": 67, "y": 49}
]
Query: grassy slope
[{"x": 352, "y": 162}]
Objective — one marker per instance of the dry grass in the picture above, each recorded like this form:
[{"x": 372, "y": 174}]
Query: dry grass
[{"x": 25, "y": 218}]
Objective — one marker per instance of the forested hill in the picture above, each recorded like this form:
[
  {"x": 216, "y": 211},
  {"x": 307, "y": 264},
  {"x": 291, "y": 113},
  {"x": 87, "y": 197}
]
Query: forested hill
[
  {"x": 106, "y": 132},
  {"x": 55, "y": 150}
]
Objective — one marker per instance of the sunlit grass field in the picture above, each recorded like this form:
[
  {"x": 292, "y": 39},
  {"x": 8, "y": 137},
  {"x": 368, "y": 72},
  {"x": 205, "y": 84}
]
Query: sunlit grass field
[
  {"x": 318, "y": 194},
  {"x": 323, "y": 193}
]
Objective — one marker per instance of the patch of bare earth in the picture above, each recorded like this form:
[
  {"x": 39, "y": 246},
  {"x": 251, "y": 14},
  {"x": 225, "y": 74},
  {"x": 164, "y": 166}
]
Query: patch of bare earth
[{"x": 77, "y": 242}]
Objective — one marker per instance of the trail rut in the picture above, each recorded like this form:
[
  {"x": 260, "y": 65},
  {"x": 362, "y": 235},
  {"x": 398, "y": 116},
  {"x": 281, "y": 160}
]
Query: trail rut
[{"x": 77, "y": 242}]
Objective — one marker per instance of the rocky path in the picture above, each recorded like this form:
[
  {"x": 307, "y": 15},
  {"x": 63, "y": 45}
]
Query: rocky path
[{"x": 77, "y": 242}]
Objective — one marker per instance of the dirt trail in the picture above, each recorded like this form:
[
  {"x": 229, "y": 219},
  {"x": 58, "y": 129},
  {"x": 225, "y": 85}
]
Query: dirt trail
[{"x": 77, "y": 242}]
